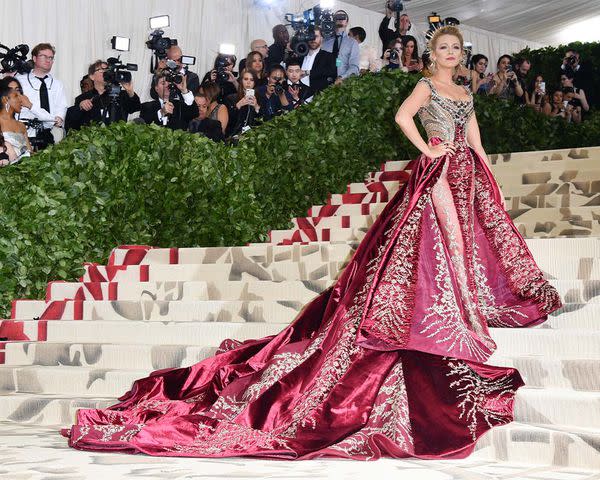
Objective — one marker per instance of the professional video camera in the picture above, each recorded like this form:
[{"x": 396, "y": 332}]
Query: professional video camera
[
  {"x": 37, "y": 141},
  {"x": 160, "y": 44},
  {"x": 304, "y": 25},
  {"x": 118, "y": 72},
  {"x": 15, "y": 59}
]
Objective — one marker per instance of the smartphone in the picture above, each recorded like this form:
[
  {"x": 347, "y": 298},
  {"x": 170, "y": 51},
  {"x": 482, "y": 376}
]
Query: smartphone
[
  {"x": 543, "y": 87},
  {"x": 188, "y": 60},
  {"x": 249, "y": 92},
  {"x": 565, "y": 103}
]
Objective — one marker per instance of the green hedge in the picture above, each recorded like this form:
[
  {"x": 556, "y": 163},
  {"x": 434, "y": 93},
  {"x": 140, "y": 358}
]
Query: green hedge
[{"x": 137, "y": 184}]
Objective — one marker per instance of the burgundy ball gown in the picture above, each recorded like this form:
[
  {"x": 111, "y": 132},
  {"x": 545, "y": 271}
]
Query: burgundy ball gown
[{"x": 387, "y": 362}]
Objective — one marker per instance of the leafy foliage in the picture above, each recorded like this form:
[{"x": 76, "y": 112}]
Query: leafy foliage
[{"x": 137, "y": 184}]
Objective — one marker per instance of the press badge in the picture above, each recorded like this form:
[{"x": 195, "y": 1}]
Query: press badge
[{"x": 338, "y": 62}]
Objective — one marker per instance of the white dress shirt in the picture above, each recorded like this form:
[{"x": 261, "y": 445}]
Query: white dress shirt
[
  {"x": 307, "y": 65},
  {"x": 369, "y": 60},
  {"x": 56, "y": 98}
]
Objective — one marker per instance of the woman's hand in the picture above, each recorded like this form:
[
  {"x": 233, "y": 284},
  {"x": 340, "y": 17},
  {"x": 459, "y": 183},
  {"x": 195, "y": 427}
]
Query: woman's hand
[
  {"x": 441, "y": 149},
  {"x": 242, "y": 103}
]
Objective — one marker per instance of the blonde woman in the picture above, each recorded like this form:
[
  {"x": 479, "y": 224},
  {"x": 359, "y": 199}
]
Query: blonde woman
[{"x": 385, "y": 361}]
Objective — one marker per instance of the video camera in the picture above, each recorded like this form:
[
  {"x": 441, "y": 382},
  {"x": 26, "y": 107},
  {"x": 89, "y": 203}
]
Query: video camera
[
  {"x": 304, "y": 25},
  {"x": 15, "y": 59},
  {"x": 117, "y": 72},
  {"x": 160, "y": 44}
]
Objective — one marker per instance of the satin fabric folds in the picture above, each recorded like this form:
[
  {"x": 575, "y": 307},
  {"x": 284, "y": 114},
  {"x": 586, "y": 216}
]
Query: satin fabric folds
[{"x": 387, "y": 362}]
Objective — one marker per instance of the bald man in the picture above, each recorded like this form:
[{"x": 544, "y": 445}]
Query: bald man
[{"x": 260, "y": 46}]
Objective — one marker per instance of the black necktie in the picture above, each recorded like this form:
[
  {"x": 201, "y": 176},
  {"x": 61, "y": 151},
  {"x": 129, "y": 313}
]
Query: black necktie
[
  {"x": 44, "y": 101},
  {"x": 336, "y": 45}
]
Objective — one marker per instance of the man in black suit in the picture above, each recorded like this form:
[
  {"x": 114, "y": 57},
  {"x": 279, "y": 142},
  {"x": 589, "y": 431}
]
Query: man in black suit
[
  {"x": 174, "y": 108},
  {"x": 318, "y": 67},
  {"x": 175, "y": 54},
  {"x": 300, "y": 92},
  {"x": 98, "y": 105}
]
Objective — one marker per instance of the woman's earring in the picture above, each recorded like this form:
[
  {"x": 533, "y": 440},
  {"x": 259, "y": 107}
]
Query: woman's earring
[
  {"x": 432, "y": 66},
  {"x": 7, "y": 106}
]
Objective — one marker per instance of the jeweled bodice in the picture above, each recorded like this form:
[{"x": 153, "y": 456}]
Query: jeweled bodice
[
  {"x": 18, "y": 142},
  {"x": 442, "y": 115}
]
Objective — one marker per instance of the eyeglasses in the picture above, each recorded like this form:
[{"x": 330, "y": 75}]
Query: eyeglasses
[
  {"x": 51, "y": 58},
  {"x": 101, "y": 70},
  {"x": 262, "y": 46}
]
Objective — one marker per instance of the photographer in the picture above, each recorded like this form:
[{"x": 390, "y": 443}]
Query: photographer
[
  {"x": 505, "y": 84},
  {"x": 256, "y": 64},
  {"x": 581, "y": 78},
  {"x": 386, "y": 34},
  {"x": 243, "y": 106},
  {"x": 223, "y": 75},
  {"x": 175, "y": 54},
  {"x": 344, "y": 48},
  {"x": 46, "y": 93},
  {"x": 318, "y": 67},
  {"x": 174, "y": 107},
  {"x": 534, "y": 98},
  {"x": 392, "y": 57},
  {"x": 274, "y": 98},
  {"x": 560, "y": 108},
  {"x": 410, "y": 54},
  {"x": 203, "y": 125},
  {"x": 102, "y": 104}
]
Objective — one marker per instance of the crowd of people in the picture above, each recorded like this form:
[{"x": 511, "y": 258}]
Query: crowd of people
[{"x": 270, "y": 81}]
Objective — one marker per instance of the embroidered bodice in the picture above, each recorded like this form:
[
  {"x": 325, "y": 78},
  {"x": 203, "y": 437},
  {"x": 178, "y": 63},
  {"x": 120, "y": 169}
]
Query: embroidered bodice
[{"x": 442, "y": 115}]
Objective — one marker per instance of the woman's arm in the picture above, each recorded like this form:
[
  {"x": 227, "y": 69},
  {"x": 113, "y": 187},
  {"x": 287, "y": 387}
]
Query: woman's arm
[
  {"x": 10, "y": 151},
  {"x": 404, "y": 118},
  {"x": 583, "y": 99},
  {"x": 409, "y": 108},
  {"x": 223, "y": 117}
]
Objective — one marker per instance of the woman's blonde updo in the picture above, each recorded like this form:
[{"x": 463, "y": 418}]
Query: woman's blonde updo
[{"x": 432, "y": 43}]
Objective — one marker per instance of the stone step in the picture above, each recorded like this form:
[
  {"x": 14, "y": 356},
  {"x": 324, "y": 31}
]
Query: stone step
[
  {"x": 560, "y": 341},
  {"x": 263, "y": 253},
  {"x": 305, "y": 270},
  {"x": 528, "y": 159},
  {"x": 557, "y": 406},
  {"x": 548, "y": 229},
  {"x": 542, "y": 444},
  {"x": 553, "y": 406},
  {"x": 538, "y": 371},
  {"x": 298, "y": 291},
  {"x": 571, "y": 315},
  {"x": 138, "y": 332},
  {"x": 266, "y": 254},
  {"x": 47, "y": 409},
  {"x": 576, "y": 216},
  {"x": 581, "y": 374},
  {"x": 105, "y": 355},
  {"x": 572, "y": 291},
  {"x": 160, "y": 311},
  {"x": 514, "y": 203}
]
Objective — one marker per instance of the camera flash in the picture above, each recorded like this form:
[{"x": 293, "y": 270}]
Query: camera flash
[
  {"x": 327, "y": 4},
  {"x": 120, "y": 43},
  {"x": 227, "y": 49},
  {"x": 159, "y": 22}
]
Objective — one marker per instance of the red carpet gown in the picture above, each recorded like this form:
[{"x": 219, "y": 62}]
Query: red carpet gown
[{"x": 387, "y": 362}]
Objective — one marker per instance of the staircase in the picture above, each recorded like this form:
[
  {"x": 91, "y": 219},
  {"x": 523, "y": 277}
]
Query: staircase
[{"x": 149, "y": 309}]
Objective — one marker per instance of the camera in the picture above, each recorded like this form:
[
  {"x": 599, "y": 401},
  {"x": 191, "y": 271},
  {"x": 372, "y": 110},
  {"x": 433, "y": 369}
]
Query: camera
[
  {"x": 160, "y": 44},
  {"x": 572, "y": 60},
  {"x": 15, "y": 59},
  {"x": 117, "y": 72},
  {"x": 395, "y": 5},
  {"x": 280, "y": 87},
  {"x": 304, "y": 25},
  {"x": 394, "y": 55},
  {"x": 171, "y": 72},
  {"x": 222, "y": 63}
]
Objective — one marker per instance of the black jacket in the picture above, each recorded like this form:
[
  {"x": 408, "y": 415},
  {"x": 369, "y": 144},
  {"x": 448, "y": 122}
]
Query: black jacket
[
  {"x": 323, "y": 72},
  {"x": 102, "y": 110},
  {"x": 179, "y": 120}
]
